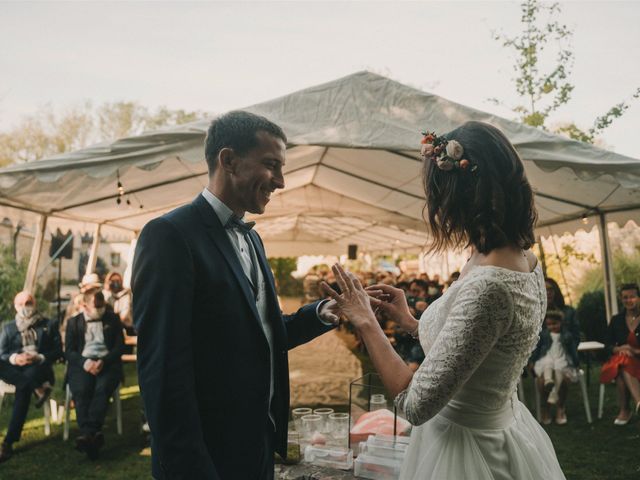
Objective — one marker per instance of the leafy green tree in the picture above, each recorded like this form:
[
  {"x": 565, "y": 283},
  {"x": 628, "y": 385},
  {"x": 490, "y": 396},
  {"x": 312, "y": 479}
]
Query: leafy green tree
[
  {"x": 12, "y": 275},
  {"x": 47, "y": 132},
  {"x": 542, "y": 79},
  {"x": 626, "y": 269}
]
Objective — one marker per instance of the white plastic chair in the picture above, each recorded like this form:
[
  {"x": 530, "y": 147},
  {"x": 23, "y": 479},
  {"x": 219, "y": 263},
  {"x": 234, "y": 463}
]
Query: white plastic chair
[
  {"x": 583, "y": 390},
  {"x": 8, "y": 389},
  {"x": 67, "y": 412}
]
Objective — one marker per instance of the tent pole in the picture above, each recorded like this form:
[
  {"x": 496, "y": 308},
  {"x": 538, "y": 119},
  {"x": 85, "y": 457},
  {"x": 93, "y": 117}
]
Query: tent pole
[
  {"x": 36, "y": 251},
  {"x": 543, "y": 260},
  {"x": 126, "y": 280},
  {"x": 93, "y": 254},
  {"x": 610, "y": 296}
]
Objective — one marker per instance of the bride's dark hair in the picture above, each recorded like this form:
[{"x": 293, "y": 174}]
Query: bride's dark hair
[{"x": 488, "y": 208}]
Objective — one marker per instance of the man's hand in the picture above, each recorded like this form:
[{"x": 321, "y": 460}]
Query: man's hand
[
  {"x": 98, "y": 366},
  {"x": 32, "y": 358},
  {"x": 22, "y": 359},
  {"x": 329, "y": 312},
  {"x": 92, "y": 366}
]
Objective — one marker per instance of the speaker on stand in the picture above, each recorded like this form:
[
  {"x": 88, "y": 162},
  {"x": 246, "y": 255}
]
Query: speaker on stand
[{"x": 61, "y": 247}]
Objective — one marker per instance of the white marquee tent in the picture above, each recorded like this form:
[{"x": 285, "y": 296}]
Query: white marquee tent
[{"x": 352, "y": 174}]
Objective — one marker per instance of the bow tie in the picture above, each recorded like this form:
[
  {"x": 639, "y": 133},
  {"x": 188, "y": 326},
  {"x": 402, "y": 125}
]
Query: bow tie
[{"x": 238, "y": 224}]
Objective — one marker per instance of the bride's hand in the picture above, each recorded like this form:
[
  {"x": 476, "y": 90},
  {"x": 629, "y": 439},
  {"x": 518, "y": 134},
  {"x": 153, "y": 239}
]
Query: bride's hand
[
  {"x": 393, "y": 305},
  {"x": 354, "y": 302}
]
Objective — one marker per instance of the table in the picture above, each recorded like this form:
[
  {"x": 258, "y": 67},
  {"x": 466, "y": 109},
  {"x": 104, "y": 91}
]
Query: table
[
  {"x": 306, "y": 471},
  {"x": 589, "y": 347}
]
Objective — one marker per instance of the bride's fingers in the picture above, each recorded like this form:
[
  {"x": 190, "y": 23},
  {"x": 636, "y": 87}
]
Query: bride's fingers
[
  {"x": 355, "y": 281},
  {"x": 330, "y": 291},
  {"x": 385, "y": 288},
  {"x": 374, "y": 293},
  {"x": 338, "y": 272}
]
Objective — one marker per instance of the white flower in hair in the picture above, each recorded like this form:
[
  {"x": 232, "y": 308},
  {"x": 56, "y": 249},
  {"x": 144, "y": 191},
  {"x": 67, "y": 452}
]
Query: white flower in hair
[
  {"x": 445, "y": 164},
  {"x": 427, "y": 150},
  {"x": 454, "y": 150}
]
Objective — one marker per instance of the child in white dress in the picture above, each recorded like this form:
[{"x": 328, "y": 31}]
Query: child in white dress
[{"x": 555, "y": 364}]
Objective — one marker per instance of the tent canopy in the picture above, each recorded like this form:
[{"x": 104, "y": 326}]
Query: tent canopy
[{"x": 353, "y": 173}]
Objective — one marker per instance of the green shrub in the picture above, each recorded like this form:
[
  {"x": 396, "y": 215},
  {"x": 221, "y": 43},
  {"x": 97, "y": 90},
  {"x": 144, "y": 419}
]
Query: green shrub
[
  {"x": 592, "y": 316},
  {"x": 12, "y": 275},
  {"x": 287, "y": 285}
]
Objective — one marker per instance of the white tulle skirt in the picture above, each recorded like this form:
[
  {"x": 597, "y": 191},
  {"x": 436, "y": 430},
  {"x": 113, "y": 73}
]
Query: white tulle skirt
[{"x": 459, "y": 444}]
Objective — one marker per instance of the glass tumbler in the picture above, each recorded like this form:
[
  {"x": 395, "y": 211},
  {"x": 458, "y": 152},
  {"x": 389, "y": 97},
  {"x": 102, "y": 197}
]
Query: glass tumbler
[
  {"x": 310, "y": 425},
  {"x": 339, "y": 425},
  {"x": 325, "y": 425},
  {"x": 297, "y": 414}
]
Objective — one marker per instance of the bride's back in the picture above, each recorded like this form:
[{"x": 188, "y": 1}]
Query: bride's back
[{"x": 494, "y": 381}]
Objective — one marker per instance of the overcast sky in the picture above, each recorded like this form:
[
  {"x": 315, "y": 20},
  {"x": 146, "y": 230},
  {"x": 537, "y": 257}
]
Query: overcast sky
[{"x": 216, "y": 56}]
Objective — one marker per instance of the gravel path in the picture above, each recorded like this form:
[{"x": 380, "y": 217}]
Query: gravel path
[{"x": 320, "y": 372}]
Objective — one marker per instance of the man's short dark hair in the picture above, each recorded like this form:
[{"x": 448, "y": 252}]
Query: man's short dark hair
[
  {"x": 630, "y": 286},
  {"x": 236, "y": 130}
]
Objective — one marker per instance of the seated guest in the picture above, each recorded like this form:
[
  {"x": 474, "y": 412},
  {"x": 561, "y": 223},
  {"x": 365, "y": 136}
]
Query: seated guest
[
  {"x": 119, "y": 298},
  {"x": 434, "y": 291},
  {"x": 29, "y": 346},
  {"x": 555, "y": 301},
  {"x": 90, "y": 280},
  {"x": 94, "y": 345},
  {"x": 623, "y": 344},
  {"x": 555, "y": 363},
  {"x": 417, "y": 298}
]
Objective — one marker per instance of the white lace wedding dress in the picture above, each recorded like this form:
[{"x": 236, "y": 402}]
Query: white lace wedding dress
[{"x": 477, "y": 338}]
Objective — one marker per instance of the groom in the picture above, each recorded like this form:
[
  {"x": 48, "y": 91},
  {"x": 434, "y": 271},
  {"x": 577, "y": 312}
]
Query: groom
[{"x": 212, "y": 345}]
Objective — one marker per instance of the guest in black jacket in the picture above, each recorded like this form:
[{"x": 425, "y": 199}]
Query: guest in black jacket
[
  {"x": 29, "y": 345},
  {"x": 93, "y": 347}
]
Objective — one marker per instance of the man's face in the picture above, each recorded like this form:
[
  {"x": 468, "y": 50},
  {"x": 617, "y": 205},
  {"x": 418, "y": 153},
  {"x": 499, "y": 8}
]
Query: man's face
[
  {"x": 23, "y": 300},
  {"x": 257, "y": 174},
  {"x": 94, "y": 303},
  {"x": 630, "y": 299}
]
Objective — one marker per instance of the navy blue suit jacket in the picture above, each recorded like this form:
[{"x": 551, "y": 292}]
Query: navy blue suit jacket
[
  {"x": 48, "y": 343},
  {"x": 203, "y": 358}
]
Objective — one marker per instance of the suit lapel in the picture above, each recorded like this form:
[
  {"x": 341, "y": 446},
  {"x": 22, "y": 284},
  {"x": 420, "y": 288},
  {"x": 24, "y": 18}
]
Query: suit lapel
[
  {"x": 219, "y": 238},
  {"x": 272, "y": 298}
]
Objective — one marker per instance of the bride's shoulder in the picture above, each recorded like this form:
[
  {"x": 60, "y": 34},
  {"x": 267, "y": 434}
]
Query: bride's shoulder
[{"x": 486, "y": 282}]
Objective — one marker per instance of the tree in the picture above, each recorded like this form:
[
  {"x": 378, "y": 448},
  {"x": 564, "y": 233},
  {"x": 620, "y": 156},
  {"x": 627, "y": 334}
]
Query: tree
[
  {"x": 544, "y": 83},
  {"x": 47, "y": 133},
  {"x": 12, "y": 273}
]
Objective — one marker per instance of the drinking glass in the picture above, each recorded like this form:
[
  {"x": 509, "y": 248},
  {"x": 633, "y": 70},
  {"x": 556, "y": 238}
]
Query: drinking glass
[
  {"x": 339, "y": 425},
  {"x": 297, "y": 414},
  {"x": 325, "y": 426},
  {"x": 310, "y": 425}
]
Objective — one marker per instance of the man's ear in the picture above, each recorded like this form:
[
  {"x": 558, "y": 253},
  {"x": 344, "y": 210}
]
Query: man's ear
[{"x": 226, "y": 160}]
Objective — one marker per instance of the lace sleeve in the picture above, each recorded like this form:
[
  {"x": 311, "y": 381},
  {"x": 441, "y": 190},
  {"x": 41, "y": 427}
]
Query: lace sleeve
[{"x": 482, "y": 312}]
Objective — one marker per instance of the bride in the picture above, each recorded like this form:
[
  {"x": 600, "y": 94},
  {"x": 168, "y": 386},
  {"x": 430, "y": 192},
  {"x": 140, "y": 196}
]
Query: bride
[{"x": 478, "y": 336}]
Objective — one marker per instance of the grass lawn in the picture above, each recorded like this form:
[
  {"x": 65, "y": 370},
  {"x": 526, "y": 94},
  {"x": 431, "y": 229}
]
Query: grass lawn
[{"x": 586, "y": 452}]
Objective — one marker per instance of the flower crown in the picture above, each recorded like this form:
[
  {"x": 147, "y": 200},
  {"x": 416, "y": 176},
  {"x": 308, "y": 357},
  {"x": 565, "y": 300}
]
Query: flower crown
[{"x": 446, "y": 154}]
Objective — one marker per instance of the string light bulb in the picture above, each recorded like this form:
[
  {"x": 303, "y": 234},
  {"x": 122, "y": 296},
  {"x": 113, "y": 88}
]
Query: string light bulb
[{"x": 585, "y": 219}]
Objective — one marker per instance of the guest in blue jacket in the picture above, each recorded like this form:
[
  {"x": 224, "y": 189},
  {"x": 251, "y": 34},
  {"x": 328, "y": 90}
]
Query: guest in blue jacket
[
  {"x": 29, "y": 345},
  {"x": 555, "y": 363}
]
